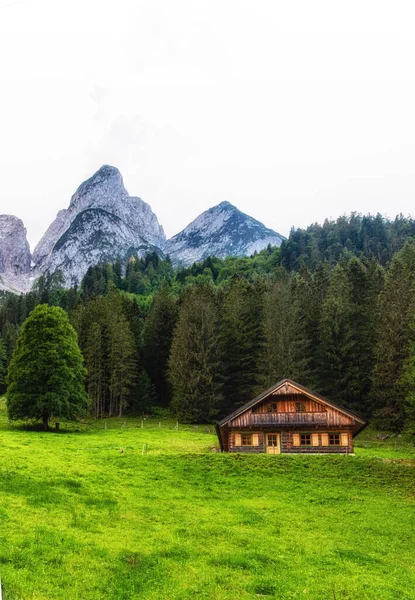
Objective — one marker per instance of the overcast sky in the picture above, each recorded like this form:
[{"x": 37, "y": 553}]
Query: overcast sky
[{"x": 292, "y": 110}]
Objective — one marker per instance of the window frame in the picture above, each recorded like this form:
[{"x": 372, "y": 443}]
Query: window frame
[
  {"x": 272, "y": 407},
  {"x": 338, "y": 438},
  {"x": 246, "y": 436},
  {"x": 306, "y": 443},
  {"x": 300, "y": 410},
  {"x": 274, "y": 435}
]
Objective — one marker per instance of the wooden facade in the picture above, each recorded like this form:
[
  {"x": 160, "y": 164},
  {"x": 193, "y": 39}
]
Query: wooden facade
[{"x": 289, "y": 418}]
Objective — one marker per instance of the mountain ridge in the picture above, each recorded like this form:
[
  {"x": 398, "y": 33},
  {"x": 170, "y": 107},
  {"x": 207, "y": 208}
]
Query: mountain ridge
[{"x": 104, "y": 223}]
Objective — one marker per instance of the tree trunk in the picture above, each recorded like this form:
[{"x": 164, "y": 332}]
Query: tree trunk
[{"x": 45, "y": 421}]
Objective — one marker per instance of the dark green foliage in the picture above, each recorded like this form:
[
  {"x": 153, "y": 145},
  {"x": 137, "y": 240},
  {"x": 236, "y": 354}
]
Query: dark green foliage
[
  {"x": 94, "y": 352},
  {"x": 366, "y": 282},
  {"x": 146, "y": 397},
  {"x": 157, "y": 338},
  {"x": 122, "y": 363},
  {"x": 240, "y": 337},
  {"x": 194, "y": 364},
  {"x": 46, "y": 373},
  {"x": 355, "y": 235},
  {"x": 336, "y": 337},
  {"x": 313, "y": 310},
  {"x": 109, "y": 330},
  {"x": 395, "y": 335},
  {"x": 285, "y": 347},
  {"x": 3, "y": 366}
]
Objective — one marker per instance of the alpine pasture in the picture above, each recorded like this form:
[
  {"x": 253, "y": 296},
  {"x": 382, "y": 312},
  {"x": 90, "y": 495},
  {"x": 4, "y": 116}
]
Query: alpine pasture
[{"x": 124, "y": 509}]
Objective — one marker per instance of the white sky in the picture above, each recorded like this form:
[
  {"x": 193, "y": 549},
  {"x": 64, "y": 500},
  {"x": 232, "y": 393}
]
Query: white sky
[{"x": 292, "y": 110}]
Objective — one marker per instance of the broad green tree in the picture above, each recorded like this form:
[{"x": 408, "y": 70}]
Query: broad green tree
[{"x": 46, "y": 373}]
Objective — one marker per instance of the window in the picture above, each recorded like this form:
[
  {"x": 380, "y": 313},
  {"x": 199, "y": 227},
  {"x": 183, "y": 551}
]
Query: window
[
  {"x": 272, "y": 440},
  {"x": 272, "y": 408},
  {"x": 300, "y": 407},
  {"x": 246, "y": 439},
  {"x": 305, "y": 439},
  {"x": 334, "y": 439}
]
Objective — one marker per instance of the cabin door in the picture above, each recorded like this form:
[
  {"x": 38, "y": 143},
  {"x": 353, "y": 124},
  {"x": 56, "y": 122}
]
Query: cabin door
[{"x": 273, "y": 443}]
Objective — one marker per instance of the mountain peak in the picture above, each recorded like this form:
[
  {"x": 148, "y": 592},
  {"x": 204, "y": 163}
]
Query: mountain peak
[
  {"x": 225, "y": 205},
  {"x": 107, "y": 179},
  {"x": 102, "y": 223},
  {"x": 222, "y": 230}
]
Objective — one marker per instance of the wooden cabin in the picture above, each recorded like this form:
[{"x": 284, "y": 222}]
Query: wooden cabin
[{"x": 289, "y": 418}]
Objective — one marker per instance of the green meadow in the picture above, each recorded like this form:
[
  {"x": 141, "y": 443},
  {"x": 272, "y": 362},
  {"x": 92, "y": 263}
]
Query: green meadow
[{"x": 114, "y": 510}]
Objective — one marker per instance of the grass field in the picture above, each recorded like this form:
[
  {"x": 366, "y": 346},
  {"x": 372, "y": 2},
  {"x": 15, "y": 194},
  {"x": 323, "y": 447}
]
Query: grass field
[{"x": 80, "y": 520}]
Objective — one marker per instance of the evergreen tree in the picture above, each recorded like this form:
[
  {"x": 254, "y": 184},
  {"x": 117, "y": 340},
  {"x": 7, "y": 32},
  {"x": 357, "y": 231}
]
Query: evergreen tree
[
  {"x": 122, "y": 363},
  {"x": 3, "y": 366},
  {"x": 157, "y": 340},
  {"x": 240, "y": 337},
  {"x": 394, "y": 338},
  {"x": 285, "y": 344},
  {"x": 336, "y": 338},
  {"x": 195, "y": 358},
  {"x": 46, "y": 373},
  {"x": 146, "y": 395},
  {"x": 94, "y": 353},
  {"x": 366, "y": 280}
]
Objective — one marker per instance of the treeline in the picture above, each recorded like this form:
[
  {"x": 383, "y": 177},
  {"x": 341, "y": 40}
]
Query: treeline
[
  {"x": 353, "y": 235},
  {"x": 206, "y": 339}
]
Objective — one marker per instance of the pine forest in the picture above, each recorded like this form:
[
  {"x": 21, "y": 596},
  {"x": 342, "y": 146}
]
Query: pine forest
[{"x": 333, "y": 308}]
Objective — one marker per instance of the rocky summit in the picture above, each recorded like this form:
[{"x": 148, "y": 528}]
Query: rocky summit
[
  {"x": 220, "y": 231},
  {"x": 15, "y": 259},
  {"x": 104, "y": 223}
]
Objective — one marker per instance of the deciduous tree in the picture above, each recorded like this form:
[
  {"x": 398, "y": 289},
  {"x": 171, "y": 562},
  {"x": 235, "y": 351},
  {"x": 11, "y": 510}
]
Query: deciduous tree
[{"x": 46, "y": 373}]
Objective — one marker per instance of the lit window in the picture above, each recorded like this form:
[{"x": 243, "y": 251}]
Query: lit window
[
  {"x": 305, "y": 439},
  {"x": 300, "y": 407},
  {"x": 246, "y": 440},
  {"x": 334, "y": 439}
]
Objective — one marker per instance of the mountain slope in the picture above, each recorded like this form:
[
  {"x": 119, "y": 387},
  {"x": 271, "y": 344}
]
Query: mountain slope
[
  {"x": 15, "y": 258},
  {"x": 102, "y": 223},
  {"x": 220, "y": 231}
]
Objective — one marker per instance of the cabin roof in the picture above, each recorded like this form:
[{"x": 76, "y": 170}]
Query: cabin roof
[{"x": 300, "y": 388}]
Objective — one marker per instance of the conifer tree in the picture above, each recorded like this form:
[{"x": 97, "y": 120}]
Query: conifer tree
[
  {"x": 366, "y": 280},
  {"x": 122, "y": 363},
  {"x": 3, "y": 366},
  {"x": 195, "y": 357},
  {"x": 157, "y": 340},
  {"x": 395, "y": 336},
  {"x": 285, "y": 344},
  {"x": 46, "y": 373},
  {"x": 95, "y": 363},
  {"x": 240, "y": 335},
  {"x": 336, "y": 337}
]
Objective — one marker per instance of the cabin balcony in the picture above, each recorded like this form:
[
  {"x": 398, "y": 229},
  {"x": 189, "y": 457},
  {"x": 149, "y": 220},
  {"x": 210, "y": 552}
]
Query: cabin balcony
[{"x": 295, "y": 418}]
